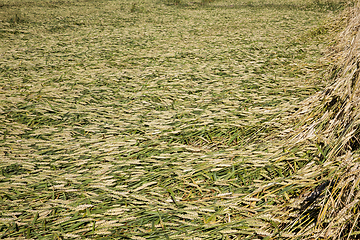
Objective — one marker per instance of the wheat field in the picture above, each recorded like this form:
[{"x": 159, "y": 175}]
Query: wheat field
[{"x": 173, "y": 119}]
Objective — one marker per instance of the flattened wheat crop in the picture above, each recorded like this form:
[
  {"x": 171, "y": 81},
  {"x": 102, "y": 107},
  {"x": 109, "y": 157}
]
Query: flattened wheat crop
[{"x": 150, "y": 119}]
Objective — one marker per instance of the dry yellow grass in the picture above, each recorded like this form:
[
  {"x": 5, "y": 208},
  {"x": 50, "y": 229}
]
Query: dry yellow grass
[{"x": 326, "y": 196}]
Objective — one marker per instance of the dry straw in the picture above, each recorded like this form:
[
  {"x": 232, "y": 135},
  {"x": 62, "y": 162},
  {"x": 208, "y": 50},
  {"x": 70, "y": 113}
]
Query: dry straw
[{"x": 326, "y": 196}]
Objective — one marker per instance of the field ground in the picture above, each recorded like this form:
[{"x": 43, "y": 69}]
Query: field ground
[{"x": 148, "y": 119}]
